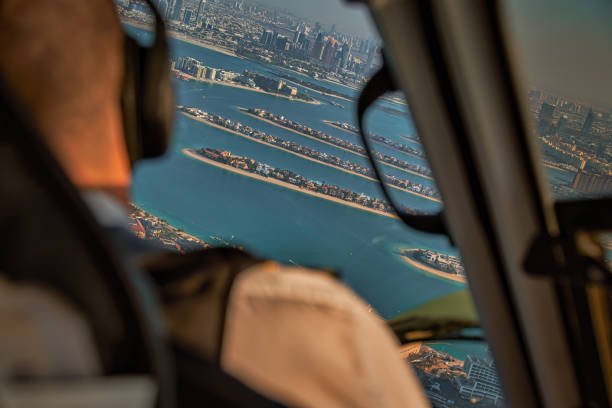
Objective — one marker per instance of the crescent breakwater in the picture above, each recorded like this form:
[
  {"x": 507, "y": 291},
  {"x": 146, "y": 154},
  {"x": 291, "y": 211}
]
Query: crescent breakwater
[{"x": 304, "y": 152}]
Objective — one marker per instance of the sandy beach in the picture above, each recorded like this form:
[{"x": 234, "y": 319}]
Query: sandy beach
[
  {"x": 433, "y": 271},
  {"x": 202, "y": 159},
  {"x": 304, "y": 156}
]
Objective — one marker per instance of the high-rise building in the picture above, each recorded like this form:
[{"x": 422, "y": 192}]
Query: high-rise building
[
  {"x": 587, "y": 126},
  {"x": 188, "y": 65},
  {"x": 176, "y": 10},
  {"x": 291, "y": 90},
  {"x": 592, "y": 183},
  {"x": 138, "y": 6},
  {"x": 345, "y": 55},
  {"x": 317, "y": 49},
  {"x": 200, "y": 11},
  {"x": 281, "y": 43},
  {"x": 201, "y": 72},
  {"x": 545, "y": 118},
  {"x": 305, "y": 45},
  {"x": 162, "y": 6},
  {"x": 561, "y": 123},
  {"x": 481, "y": 380},
  {"x": 211, "y": 73},
  {"x": 329, "y": 52},
  {"x": 267, "y": 38},
  {"x": 368, "y": 46},
  {"x": 209, "y": 24},
  {"x": 187, "y": 15},
  {"x": 299, "y": 40},
  {"x": 372, "y": 53},
  {"x": 296, "y": 36}
]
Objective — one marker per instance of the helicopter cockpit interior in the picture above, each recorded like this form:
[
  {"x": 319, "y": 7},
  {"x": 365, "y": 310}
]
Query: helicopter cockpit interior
[{"x": 322, "y": 203}]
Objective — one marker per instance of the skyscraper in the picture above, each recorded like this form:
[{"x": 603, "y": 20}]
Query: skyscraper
[
  {"x": 188, "y": 65},
  {"x": 305, "y": 44},
  {"x": 163, "y": 8},
  {"x": 562, "y": 123},
  {"x": 267, "y": 38},
  {"x": 481, "y": 381},
  {"x": 587, "y": 126},
  {"x": 208, "y": 24},
  {"x": 187, "y": 17},
  {"x": 200, "y": 12},
  {"x": 545, "y": 118},
  {"x": 592, "y": 183},
  {"x": 345, "y": 55},
  {"x": 296, "y": 36},
  {"x": 329, "y": 53},
  {"x": 281, "y": 43},
  {"x": 317, "y": 48},
  {"x": 176, "y": 9},
  {"x": 372, "y": 53}
]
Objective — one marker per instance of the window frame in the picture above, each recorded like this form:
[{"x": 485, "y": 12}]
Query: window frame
[{"x": 450, "y": 59}]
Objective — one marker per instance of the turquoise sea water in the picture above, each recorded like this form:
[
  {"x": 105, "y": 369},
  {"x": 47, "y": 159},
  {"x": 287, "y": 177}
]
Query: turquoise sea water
[{"x": 271, "y": 221}]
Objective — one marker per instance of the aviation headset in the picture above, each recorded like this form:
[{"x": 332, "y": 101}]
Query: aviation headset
[{"x": 147, "y": 96}]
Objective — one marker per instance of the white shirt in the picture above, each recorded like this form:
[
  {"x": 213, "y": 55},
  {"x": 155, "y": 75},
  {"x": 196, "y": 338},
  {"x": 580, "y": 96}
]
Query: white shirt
[
  {"x": 307, "y": 340},
  {"x": 298, "y": 336}
]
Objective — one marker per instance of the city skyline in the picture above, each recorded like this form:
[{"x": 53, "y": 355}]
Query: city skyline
[
  {"x": 267, "y": 131},
  {"x": 253, "y": 30},
  {"x": 566, "y": 55},
  {"x": 563, "y": 47},
  {"x": 350, "y": 18}
]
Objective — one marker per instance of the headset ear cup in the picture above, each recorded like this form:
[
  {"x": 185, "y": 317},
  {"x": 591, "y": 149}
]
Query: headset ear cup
[
  {"x": 130, "y": 100},
  {"x": 147, "y": 96},
  {"x": 156, "y": 101}
]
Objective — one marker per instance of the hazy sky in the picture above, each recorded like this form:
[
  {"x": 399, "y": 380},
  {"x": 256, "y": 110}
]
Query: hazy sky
[
  {"x": 563, "y": 46},
  {"x": 348, "y": 17}
]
